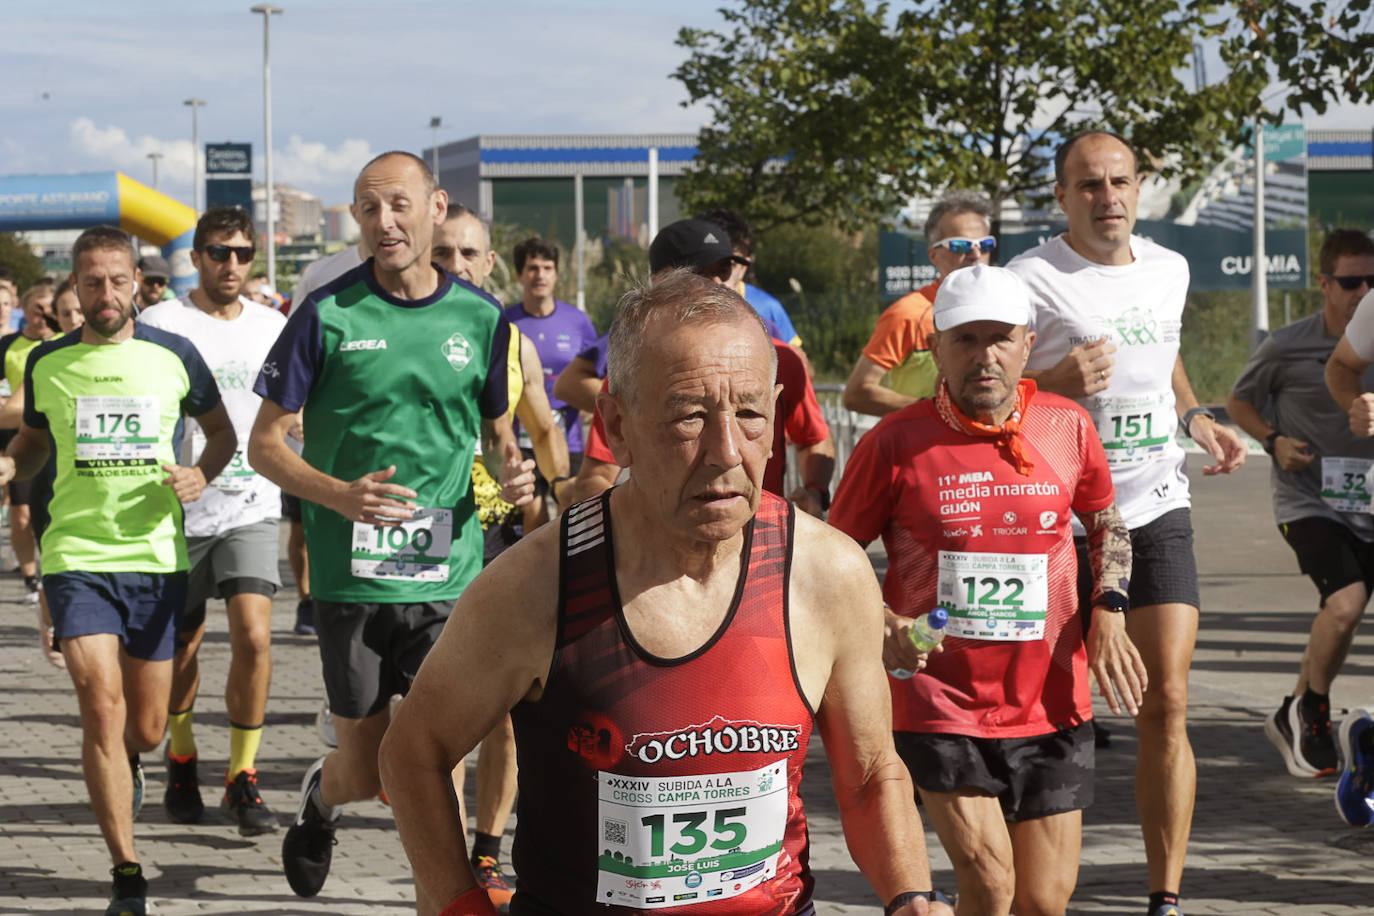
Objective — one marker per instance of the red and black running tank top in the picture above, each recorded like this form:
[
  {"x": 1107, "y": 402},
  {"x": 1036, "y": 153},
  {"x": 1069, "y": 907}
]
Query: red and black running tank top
[{"x": 659, "y": 784}]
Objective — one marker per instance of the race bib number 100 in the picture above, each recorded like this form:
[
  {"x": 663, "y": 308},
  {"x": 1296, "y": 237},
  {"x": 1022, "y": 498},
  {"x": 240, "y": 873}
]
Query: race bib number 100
[
  {"x": 116, "y": 431},
  {"x": 995, "y": 596},
  {"x": 680, "y": 840},
  {"x": 417, "y": 550}
]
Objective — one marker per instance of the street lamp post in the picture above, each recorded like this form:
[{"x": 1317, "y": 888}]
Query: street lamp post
[
  {"x": 434, "y": 124},
  {"x": 155, "y": 156},
  {"x": 268, "y": 11},
  {"x": 195, "y": 152}
]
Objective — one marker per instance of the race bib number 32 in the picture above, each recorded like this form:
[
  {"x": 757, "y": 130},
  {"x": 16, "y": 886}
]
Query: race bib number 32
[
  {"x": 995, "y": 596},
  {"x": 1345, "y": 484},
  {"x": 680, "y": 840},
  {"x": 116, "y": 431},
  {"x": 417, "y": 550}
]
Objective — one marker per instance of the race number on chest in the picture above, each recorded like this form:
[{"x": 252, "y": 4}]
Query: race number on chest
[
  {"x": 995, "y": 596},
  {"x": 680, "y": 840},
  {"x": 417, "y": 550}
]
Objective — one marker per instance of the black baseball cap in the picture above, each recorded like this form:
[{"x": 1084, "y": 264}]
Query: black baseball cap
[{"x": 690, "y": 243}]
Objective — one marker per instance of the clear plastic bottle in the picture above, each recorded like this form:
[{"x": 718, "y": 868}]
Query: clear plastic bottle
[{"x": 925, "y": 634}]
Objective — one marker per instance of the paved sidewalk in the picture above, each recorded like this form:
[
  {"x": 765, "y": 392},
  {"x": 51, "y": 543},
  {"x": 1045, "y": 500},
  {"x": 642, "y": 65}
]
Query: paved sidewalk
[{"x": 1262, "y": 841}]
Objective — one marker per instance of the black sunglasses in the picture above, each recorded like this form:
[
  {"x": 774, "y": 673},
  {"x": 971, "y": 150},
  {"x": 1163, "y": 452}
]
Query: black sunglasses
[
  {"x": 221, "y": 252},
  {"x": 1353, "y": 283}
]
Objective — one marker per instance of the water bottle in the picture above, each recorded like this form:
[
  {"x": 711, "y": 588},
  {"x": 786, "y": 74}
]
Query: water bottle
[{"x": 925, "y": 634}]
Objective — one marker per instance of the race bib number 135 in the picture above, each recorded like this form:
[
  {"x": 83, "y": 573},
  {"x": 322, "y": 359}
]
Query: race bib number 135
[{"x": 680, "y": 840}]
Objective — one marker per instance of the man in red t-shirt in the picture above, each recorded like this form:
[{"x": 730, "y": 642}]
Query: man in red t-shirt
[{"x": 971, "y": 492}]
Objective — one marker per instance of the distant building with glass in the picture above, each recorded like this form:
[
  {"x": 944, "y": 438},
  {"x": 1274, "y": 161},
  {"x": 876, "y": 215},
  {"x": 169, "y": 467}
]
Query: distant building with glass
[{"x": 527, "y": 180}]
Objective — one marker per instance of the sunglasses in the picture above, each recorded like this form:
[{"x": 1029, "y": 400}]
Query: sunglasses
[
  {"x": 987, "y": 245},
  {"x": 221, "y": 253},
  {"x": 1349, "y": 284},
  {"x": 155, "y": 281}
]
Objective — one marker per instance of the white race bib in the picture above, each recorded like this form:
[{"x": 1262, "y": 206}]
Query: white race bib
[
  {"x": 417, "y": 550},
  {"x": 116, "y": 429},
  {"x": 995, "y": 596},
  {"x": 1345, "y": 483},
  {"x": 680, "y": 840},
  {"x": 1134, "y": 428}
]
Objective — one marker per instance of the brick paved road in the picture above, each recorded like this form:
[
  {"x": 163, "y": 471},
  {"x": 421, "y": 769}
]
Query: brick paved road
[{"x": 1262, "y": 842}]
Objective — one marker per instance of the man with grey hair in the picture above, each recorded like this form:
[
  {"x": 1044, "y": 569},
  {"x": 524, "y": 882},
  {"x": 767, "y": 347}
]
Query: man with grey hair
[
  {"x": 689, "y": 664},
  {"x": 896, "y": 367}
]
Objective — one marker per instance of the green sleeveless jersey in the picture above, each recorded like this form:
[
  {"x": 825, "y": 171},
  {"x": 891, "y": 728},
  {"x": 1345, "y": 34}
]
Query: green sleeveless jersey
[
  {"x": 113, "y": 414},
  {"x": 385, "y": 381}
]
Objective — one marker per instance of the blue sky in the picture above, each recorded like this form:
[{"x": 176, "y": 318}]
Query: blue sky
[
  {"x": 95, "y": 86},
  {"x": 92, "y": 86}
]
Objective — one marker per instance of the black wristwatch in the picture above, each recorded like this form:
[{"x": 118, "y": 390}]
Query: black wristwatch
[
  {"x": 1188, "y": 418},
  {"x": 901, "y": 900},
  {"x": 1269, "y": 441},
  {"x": 1113, "y": 600}
]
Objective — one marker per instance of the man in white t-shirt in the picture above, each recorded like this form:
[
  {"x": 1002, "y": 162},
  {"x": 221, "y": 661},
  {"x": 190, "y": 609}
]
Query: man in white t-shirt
[
  {"x": 1107, "y": 310},
  {"x": 231, "y": 531}
]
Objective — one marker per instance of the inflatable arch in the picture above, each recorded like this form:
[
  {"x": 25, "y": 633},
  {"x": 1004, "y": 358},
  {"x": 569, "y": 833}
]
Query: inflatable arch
[{"x": 30, "y": 202}]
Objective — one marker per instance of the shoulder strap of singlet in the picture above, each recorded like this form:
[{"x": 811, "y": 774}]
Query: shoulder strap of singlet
[{"x": 585, "y": 594}]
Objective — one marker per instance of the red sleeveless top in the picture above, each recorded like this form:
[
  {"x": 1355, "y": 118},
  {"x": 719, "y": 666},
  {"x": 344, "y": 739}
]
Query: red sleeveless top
[{"x": 665, "y": 784}]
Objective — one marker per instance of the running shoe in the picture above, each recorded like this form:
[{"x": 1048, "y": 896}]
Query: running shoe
[
  {"x": 305, "y": 617},
  {"x": 1280, "y": 734},
  {"x": 490, "y": 879},
  {"x": 308, "y": 846},
  {"x": 137, "y": 768},
  {"x": 1166, "y": 909},
  {"x": 129, "y": 896},
  {"x": 324, "y": 724},
  {"x": 182, "y": 798},
  {"x": 1355, "y": 788},
  {"x": 1310, "y": 723},
  {"x": 243, "y": 805},
  {"x": 30, "y": 589}
]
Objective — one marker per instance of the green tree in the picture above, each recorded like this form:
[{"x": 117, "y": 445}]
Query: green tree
[
  {"x": 20, "y": 260},
  {"x": 833, "y": 111}
]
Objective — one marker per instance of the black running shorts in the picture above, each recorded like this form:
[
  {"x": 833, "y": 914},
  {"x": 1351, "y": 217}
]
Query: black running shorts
[
  {"x": 1031, "y": 777},
  {"x": 371, "y": 651},
  {"x": 1330, "y": 554},
  {"x": 1163, "y": 569}
]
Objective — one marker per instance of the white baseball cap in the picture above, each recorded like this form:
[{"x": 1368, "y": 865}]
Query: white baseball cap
[{"x": 981, "y": 293}]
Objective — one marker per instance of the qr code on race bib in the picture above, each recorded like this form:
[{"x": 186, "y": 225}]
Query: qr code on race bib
[{"x": 613, "y": 831}]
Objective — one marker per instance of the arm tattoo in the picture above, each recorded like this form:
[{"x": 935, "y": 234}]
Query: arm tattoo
[{"x": 1109, "y": 550}]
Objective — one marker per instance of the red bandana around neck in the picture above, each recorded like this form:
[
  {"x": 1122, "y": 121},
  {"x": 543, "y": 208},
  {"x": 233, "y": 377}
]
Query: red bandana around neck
[{"x": 1008, "y": 435}]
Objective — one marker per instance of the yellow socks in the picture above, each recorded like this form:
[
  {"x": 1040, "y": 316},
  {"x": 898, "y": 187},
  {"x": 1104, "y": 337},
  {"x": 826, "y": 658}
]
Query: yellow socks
[
  {"x": 243, "y": 748},
  {"x": 181, "y": 742}
]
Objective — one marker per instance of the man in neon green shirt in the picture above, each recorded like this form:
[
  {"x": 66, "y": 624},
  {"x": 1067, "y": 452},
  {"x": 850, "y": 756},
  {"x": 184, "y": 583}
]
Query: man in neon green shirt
[{"x": 105, "y": 403}]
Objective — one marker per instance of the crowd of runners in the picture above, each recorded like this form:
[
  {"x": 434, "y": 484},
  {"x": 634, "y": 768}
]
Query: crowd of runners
[{"x": 599, "y": 525}]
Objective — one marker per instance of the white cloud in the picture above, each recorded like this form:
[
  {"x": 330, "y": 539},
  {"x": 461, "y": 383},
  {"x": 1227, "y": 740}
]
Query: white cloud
[
  {"x": 111, "y": 147},
  {"x": 310, "y": 164}
]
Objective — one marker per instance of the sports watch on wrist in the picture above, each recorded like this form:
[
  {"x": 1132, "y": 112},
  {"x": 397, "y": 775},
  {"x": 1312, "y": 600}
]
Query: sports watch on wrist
[
  {"x": 1112, "y": 600},
  {"x": 901, "y": 900},
  {"x": 1270, "y": 440}
]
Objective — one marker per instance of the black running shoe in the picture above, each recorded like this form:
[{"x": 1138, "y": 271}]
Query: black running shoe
[
  {"x": 244, "y": 806},
  {"x": 129, "y": 897},
  {"x": 1309, "y": 718},
  {"x": 1278, "y": 730},
  {"x": 308, "y": 847},
  {"x": 182, "y": 798}
]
